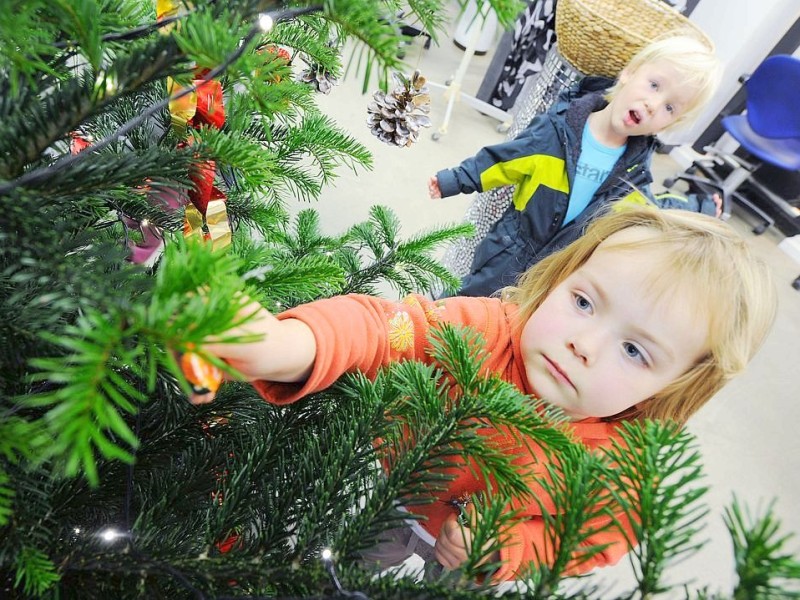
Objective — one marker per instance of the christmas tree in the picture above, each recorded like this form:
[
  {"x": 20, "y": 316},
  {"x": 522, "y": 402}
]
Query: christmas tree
[{"x": 148, "y": 151}]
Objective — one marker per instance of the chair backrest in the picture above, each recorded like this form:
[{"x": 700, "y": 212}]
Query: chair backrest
[{"x": 773, "y": 97}]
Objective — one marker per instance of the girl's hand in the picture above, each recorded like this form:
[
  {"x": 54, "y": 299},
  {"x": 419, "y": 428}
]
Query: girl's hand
[
  {"x": 433, "y": 188},
  {"x": 285, "y": 352},
  {"x": 453, "y": 544}
]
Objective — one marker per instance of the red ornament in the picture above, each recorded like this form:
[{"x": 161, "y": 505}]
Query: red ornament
[
  {"x": 77, "y": 143},
  {"x": 210, "y": 108},
  {"x": 228, "y": 544},
  {"x": 202, "y": 176}
]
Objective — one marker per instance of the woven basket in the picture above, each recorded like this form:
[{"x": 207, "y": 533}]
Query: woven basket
[{"x": 599, "y": 37}]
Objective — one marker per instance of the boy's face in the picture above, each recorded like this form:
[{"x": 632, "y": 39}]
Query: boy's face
[
  {"x": 602, "y": 341},
  {"x": 649, "y": 100}
]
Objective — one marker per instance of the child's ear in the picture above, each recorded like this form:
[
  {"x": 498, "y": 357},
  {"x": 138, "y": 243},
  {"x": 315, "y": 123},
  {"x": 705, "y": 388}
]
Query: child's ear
[{"x": 624, "y": 76}]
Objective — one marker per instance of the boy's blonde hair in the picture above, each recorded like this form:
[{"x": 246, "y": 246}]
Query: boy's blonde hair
[
  {"x": 694, "y": 60},
  {"x": 697, "y": 260}
]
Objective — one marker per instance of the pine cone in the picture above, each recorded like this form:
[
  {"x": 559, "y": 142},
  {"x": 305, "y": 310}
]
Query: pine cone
[
  {"x": 319, "y": 78},
  {"x": 397, "y": 117}
]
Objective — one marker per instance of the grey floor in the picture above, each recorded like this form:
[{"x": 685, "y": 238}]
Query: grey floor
[{"x": 746, "y": 433}]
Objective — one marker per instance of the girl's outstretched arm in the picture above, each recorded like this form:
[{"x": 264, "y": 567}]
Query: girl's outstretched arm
[{"x": 286, "y": 352}]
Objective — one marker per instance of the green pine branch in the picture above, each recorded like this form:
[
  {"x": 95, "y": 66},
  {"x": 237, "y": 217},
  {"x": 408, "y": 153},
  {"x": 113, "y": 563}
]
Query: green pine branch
[
  {"x": 312, "y": 38},
  {"x": 377, "y": 238},
  {"x": 300, "y": 159},
  {"x": 263, "y": 216},
  {"x": 765, "y": 567},
  {"x": 7, "y": 492},
  {"x": 368, "y": 24},
  {"x": 26, "y": 48},
  {"x": 430, "y": 429},
  {"x": 369, "y": 252},
  {"x": 35, "y": 572},
  {"x": 329, "y": 147},
  {"x": 88, "y": 389},
  {"x": 579, "y": 494},
  {"x": 655, "y": 479},
  {"x": 107, "y": 364},
  {"x": 50, "y": 117}
]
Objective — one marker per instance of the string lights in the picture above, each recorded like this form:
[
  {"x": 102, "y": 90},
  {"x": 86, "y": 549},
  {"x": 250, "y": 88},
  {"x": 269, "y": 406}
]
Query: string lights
[
  {"x": 330, "y": 567},
  {"x": 265, "y": 22},
  {"x": 110, "y": 534}
]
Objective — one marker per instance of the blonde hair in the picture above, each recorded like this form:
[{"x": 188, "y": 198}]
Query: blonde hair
[
  {"x": 701, "y": 262},
  {"x": 693, "y": 59}
]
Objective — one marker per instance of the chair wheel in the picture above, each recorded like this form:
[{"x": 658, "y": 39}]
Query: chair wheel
[
  {"x": 669, "y": 182},
  {"x": 796, "y": 284},
  {"x": 435, "y": 136},
  {"x": 759, "y": 229}
]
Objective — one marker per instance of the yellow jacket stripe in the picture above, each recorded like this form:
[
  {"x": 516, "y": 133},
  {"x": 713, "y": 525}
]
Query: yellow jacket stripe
[{"x": 528, "y": 172}]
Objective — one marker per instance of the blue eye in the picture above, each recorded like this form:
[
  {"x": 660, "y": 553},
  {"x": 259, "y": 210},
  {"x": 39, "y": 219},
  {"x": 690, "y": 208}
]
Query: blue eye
[
  {"x": 654, "y": 85},
  {"x": 670, "y": 108},
  {"x": 633, "y": 351},
  {"x": 582, "y": 302}
]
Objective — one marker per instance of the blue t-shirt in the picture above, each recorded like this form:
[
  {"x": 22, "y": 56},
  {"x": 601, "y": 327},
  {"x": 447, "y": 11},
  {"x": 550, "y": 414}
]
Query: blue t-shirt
[{"x": 594, "y": 165}]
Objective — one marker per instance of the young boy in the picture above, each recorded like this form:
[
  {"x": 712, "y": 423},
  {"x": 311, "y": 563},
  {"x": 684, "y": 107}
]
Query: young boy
[
  {"x": 599, "y": 329},
  {"x": 583, "y": 154}
]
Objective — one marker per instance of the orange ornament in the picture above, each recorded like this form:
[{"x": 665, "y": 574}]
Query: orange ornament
[{"x": 203, "y": 376}]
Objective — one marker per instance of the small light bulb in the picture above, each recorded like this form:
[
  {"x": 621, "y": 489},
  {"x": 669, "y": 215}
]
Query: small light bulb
[
  {"x": 265, "y": 22},
  {"x": 77, "y": 530},
  {"x": 109, "y": 535},
  {"x": 145, "y": 222},
  {"x": 326, "y": 554}
]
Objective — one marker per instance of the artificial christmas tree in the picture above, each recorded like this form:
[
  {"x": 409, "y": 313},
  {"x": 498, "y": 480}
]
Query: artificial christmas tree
[{"x": 118, "y": 120}]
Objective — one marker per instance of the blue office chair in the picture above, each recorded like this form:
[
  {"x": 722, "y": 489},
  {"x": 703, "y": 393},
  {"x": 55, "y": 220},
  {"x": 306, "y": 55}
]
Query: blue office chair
[{"x": 769, "y": 132}]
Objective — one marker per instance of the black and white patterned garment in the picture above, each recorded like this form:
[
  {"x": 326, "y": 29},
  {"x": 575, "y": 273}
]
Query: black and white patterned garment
[{"x": 533, "y": 34}]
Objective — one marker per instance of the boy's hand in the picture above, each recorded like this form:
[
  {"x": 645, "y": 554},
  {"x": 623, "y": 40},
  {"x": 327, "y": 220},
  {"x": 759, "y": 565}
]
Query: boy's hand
[
  {"x": 433, "y": 188},
  {"x": 718, "y": 203}
]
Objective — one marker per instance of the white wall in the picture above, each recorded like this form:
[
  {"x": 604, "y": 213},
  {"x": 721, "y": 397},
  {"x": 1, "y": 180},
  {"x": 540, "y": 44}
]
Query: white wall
[{"x": 744, "y": 31}]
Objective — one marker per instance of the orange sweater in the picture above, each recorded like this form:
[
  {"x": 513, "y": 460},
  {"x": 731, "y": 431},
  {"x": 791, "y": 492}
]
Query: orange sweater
[{"x": 362, "y": 333}]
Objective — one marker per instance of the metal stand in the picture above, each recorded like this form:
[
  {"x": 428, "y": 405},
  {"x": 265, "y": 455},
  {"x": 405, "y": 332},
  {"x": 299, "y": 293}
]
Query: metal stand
[{"x": 453, "y": 93}]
